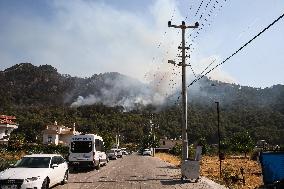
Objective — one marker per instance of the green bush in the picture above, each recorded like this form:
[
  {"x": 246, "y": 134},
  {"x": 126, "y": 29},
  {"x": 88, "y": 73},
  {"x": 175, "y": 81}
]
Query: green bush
[
  {"x": 177, "y": 150},
  {"x": 38, "y": 149},
  {"x": 4, "y": 164}
]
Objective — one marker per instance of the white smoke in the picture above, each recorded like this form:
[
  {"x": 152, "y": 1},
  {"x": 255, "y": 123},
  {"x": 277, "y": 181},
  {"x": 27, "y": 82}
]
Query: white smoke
[{"x": 122, "y": 91}]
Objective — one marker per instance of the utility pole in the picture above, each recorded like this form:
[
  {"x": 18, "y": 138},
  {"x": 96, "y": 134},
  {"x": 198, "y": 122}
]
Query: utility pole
[
  {"x": 117, "y": 137},
  {"x": 183, "y": 27},
  {"x": 219, "y": 139}
]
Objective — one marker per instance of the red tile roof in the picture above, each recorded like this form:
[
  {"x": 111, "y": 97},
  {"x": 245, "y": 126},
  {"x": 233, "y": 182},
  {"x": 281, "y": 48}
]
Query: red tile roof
[{"x": 4, "y": 119}]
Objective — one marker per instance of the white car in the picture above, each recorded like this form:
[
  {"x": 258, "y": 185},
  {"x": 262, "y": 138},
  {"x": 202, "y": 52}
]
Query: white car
[
  {"x": 119, "y": 153},
  {"x": 35, "y": 171},
  {"x": 147, "y": 152},
  {"x": 112, "y": 154}
]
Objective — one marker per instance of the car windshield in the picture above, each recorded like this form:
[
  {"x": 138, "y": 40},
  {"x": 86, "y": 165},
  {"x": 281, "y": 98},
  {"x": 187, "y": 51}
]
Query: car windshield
[
  {"x": 81, "y": 146},
  {"x": 110, "y": 151},
  {"x": 34, "y": 162}
]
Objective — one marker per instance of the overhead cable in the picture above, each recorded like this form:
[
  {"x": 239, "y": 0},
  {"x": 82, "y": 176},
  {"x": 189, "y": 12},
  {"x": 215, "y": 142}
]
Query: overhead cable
[{"x": 237, "y": 51}]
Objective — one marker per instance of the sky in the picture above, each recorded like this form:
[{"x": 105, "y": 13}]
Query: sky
[{"x": 86, "y": 37}]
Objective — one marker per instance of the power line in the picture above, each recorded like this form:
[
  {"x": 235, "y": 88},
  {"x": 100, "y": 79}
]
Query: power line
[
  {"x": 159, "y": 45},
  {"x": 198, "y": 8},
  {"x": 207, "y": 66},
  {"x": 205, "y": 9},
  {"x": 203, "y": 19},
  {"x": 237, "y": 51},
  {"x": 206, "y": 21}
]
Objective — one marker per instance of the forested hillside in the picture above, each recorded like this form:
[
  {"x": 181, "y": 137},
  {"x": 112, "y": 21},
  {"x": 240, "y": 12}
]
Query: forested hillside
[{"x": 111, "y": 102}]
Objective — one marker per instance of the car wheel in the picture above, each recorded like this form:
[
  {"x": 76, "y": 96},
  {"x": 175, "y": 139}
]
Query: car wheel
[
  {"x": 98, "y": 166},
  {"x": 45, "y": 184},
  {"x": 65, "y": 178}
]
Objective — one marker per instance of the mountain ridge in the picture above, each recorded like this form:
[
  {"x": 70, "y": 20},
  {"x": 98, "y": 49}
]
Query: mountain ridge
[
  {"x": 38, "y": 95},
  {"x": 25, "y": 84}
]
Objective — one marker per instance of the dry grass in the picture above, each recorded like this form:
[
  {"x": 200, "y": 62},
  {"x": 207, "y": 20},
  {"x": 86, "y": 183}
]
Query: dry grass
[
  {"x": 12, "y": 156},
  {"x": 169, "y": 158},
  {"x": 230, "y": 167}
]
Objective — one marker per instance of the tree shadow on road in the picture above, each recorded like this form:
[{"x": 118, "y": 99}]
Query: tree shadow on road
[
  {"x": 81, "y": 170},
  {"x": 174, "y": 182},
  {"x": 81, "y": 182},
  {"x": 169, "y": 167}
]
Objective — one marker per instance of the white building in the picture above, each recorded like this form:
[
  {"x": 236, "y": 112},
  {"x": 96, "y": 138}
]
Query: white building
[
  {"x": 58, "y": 134},
  {"x": 7, "y": 125}
]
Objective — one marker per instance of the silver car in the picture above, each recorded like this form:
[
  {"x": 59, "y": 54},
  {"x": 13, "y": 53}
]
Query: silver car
[
  {"x": 112, "y": 154},
  {"x": 147, "y": 152}
]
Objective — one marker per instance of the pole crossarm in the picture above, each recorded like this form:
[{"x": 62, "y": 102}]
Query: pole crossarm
[{"x": 182, "y": 26}]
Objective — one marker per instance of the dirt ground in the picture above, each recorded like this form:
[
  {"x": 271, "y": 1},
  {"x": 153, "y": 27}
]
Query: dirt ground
[{"x": 231, "y": 174}]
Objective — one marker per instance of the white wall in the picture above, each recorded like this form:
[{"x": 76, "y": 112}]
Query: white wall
[
  {"x": 54, "y": 139},
  {"x": 3, "y": 129}
]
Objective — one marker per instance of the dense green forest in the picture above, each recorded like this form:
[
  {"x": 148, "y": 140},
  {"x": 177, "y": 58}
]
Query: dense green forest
[{"x": 38, "y": 96}]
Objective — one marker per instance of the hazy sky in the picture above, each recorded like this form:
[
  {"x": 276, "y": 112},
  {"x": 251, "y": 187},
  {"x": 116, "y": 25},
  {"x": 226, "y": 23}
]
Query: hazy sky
[{"x": 85, "y": 37}]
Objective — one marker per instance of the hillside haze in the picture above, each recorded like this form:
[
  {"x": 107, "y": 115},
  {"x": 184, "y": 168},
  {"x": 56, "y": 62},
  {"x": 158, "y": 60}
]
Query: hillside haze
[{"x": 27, "y": 85}]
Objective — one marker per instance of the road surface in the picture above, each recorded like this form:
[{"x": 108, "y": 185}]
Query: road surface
[{"x": 134, "y": 172}]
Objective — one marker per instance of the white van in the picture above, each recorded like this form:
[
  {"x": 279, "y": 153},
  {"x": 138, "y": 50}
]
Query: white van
[{"x": 87, "y": 150}]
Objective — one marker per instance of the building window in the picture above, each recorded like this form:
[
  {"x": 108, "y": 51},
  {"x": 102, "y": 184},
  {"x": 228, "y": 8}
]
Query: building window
[
  {"x": 49, "y": 139},
  {"x": 164, "y": 142}
]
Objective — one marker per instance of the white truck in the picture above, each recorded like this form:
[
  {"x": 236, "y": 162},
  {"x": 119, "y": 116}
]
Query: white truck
[{"x": 87, "y": 150}]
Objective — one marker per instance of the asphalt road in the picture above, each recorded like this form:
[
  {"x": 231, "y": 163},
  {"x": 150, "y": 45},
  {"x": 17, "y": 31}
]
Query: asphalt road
[{"x": 134, "y": 172}]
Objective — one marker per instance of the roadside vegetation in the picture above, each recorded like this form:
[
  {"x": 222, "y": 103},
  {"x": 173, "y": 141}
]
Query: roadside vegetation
[
  {"x": 9, "y": 154},
  {"x": 239, "y": 168},
  {"x": 231, "y": 174}
]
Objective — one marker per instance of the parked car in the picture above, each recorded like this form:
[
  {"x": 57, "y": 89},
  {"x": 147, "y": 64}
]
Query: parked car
[
  {"x": 119, "y": 153},
  {"x": 112, "y": 154},
  {"x": 124, "y": 152},
  {"x": 36, "y": 171},
  {"x": 147, "y": 152}
]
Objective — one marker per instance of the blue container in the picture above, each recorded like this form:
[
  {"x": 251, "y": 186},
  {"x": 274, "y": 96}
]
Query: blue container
[{"x": 272, "y": 164}]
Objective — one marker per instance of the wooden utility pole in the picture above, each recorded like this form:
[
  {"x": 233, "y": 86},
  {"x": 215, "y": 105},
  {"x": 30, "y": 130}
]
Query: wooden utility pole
[{"x": 183, "y": 27}]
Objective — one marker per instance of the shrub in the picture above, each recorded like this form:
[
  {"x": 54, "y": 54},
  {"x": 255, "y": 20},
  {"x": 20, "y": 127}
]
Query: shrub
[
  {"x": 176, "y": 150},
  {"x": 3, "y": 164}
]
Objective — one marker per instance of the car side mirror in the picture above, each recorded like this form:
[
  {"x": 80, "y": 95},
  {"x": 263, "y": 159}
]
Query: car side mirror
[{"x": 54, "y": 165}]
